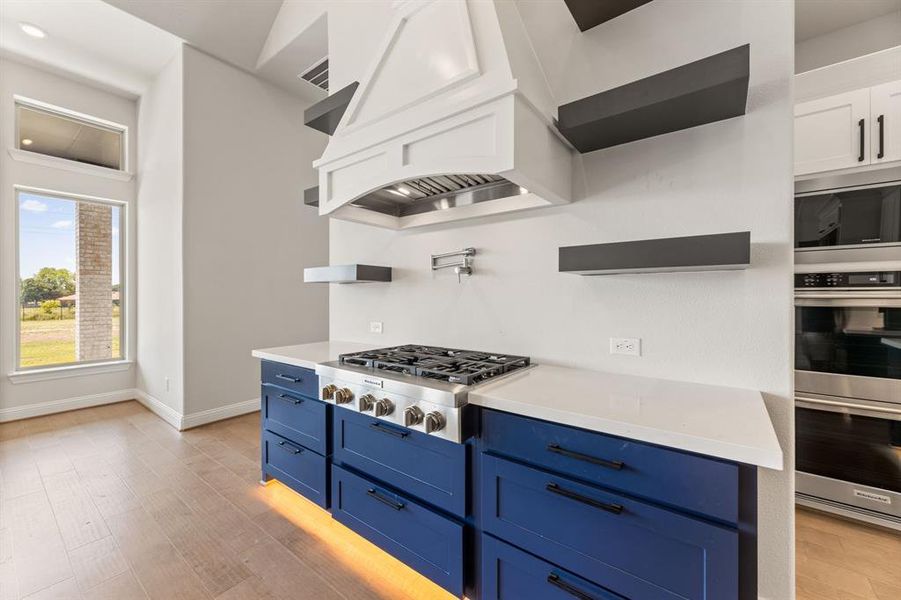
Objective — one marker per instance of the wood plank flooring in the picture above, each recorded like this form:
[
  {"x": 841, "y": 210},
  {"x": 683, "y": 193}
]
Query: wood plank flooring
[{"x": 111, "y": 503}]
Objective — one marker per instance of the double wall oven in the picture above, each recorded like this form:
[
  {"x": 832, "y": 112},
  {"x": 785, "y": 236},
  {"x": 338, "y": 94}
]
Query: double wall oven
[{"x": 848, "y": 350}]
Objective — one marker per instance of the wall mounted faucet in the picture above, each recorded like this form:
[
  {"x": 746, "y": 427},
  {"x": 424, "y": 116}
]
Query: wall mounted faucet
[{"x": 461, "y": 267}]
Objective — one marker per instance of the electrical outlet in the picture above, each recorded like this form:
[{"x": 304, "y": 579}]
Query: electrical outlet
[
  {"x": 628, "y": 346},
  {"x": 375, "y": 327}
]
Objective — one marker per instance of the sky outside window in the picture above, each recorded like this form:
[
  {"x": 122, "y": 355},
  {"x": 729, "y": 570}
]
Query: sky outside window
[{"x": 47, "y": 234}]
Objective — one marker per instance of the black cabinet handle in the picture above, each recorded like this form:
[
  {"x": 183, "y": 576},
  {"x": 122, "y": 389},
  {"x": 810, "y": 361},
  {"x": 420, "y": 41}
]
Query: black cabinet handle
[
  {"x": 610, "y": 464},
  {"x": 374, "y": 494},
  {"x": 288, "y": 378},
  {"x": 570, "y": 589},
  {"x": 290, "y": 399},
  {"x": 881, "y": 121},
  {"x": 289, "y": 448},
  {"x": 862, "y": 136},
  {"x": 611, "y": 508},
  {"x": 388, "y": 430}
]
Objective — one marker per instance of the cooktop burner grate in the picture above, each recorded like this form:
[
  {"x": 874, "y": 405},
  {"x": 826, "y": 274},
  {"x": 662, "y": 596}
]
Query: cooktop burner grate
[{"x": 466, "y": 367}]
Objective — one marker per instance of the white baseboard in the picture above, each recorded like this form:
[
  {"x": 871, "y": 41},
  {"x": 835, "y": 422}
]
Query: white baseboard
[
  {"x": 66, "y": 404},
  {"x": 218, "y": 414},
  {"x": 182, "y": 422},
  {"x": 163, "y": 411}
]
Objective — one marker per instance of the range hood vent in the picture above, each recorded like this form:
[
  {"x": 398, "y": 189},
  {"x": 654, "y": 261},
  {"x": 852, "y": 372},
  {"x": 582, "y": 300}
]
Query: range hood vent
[
  {"x": 453, "y": 119},
  {"x": 442, "y": 192}
]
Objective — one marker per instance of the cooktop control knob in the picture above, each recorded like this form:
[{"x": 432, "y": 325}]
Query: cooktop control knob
[
  {"x": 366, "y": 401},
  {"x": 343, "y": 396},
  {"x": 383, "y": 407},
  {"x": 434, "y": 421},
  {"x": 413, "y": 416},
  {"x": 328, "y": 392}
]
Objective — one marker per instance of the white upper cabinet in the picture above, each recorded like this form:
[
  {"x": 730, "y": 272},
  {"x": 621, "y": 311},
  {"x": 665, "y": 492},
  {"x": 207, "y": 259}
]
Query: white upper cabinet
[
  {"x": 854, "y": 129},
  {"x": 885, "y": 108},
  {"x": 830, "y": 133}
]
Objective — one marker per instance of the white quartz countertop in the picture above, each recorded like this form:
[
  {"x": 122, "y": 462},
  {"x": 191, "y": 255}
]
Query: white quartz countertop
[
  {"x": 307, "y": 355},
  {"x": 718, "y": 421}
]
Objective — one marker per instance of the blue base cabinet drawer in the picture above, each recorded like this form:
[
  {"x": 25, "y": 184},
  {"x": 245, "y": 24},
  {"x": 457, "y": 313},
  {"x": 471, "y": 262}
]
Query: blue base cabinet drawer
[
  {"x": 511, "y": 574},
  {"x": 301, "y": 469},
  {"x": 701, "y": 485},
  {"x": 630, "y": 547},
  {"x": 297, "y": 379},
  {"x": 429, "y": 468},
  {"x": 426, "y": 541},
  {"x": 298, "y": 418}
]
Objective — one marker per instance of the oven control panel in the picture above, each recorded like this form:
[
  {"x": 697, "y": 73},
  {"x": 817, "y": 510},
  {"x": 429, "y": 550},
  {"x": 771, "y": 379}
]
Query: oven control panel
[{"x": 871, "y": 279}]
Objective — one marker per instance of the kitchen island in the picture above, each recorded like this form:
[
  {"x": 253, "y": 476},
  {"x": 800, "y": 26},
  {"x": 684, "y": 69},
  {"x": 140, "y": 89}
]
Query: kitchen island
[{"x": 566, "y": 482}]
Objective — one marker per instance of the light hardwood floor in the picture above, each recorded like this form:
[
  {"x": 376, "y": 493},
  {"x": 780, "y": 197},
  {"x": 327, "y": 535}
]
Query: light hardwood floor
[{"x": 111, "y": 503}]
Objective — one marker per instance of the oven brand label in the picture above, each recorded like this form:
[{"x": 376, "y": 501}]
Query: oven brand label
[
  {"x": 376, "y": 382},
  {"x": 874, "y": 497}
]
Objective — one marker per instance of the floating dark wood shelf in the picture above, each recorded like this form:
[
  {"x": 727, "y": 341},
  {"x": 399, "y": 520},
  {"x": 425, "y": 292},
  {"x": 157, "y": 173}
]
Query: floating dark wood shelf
[
  {"x": 704, "y": 91},
  {"x": 347, "y": 274},
  {"x": 589, "y": 13},
  {"x": 325, "y": 115},
  {"x": 715, "y": 252},
  {"x": 311, "y": 196}
]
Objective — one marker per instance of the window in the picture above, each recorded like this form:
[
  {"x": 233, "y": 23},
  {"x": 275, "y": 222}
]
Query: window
[
  {"x": 56, "y": 132},
  {"x": 70, "y": 277}
]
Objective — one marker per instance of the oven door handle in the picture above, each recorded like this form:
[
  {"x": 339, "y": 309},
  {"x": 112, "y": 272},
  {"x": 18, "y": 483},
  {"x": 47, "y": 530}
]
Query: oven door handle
[
  {"x": 848, "y": 407},
  {"x": 848, "y": 300}
]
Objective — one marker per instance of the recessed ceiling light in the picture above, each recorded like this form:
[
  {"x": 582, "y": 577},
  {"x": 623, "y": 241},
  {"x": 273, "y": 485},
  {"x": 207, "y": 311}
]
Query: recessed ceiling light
[
  {"x": 27, "y": 142},
  {"x": 32, "y": 30}
]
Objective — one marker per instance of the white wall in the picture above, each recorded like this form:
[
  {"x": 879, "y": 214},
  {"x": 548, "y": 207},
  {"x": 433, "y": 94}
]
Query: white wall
[
  {"x": 849, "y": 42},
  {"x": 732, "y": 328},
  {"x": 248, "y": 234},
  {"x": 25, "y": 399},
  {"x": 865, "y": 71},
  {"x": 160, "y": 332}
]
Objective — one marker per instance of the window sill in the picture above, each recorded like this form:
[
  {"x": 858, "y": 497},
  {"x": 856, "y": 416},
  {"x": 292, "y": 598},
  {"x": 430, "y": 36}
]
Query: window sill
[
  {"x": 44, "y": 160},
  {"x": 69, "y": 371}
]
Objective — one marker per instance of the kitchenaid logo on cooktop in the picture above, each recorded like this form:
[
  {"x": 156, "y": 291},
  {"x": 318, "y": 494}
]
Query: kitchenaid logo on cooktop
[
  {"x": 375, "y": 382},
  {"x": 874, "y": 497}
]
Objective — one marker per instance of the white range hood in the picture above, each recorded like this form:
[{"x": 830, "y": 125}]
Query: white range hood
[{"x": 452, "y": 120}]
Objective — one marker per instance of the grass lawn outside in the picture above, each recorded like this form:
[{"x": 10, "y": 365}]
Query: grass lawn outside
[{"x": 45, "y": 343}]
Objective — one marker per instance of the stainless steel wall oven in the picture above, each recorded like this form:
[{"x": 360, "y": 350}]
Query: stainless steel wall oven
[{"x": 848, "y": 393}]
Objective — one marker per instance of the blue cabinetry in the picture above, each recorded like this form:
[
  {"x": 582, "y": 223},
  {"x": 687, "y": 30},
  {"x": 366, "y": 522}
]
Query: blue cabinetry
[
  {"x": 427, "y": 541},
  {"x": 566, "y": 512},
  {"x": 430, "y": 468},
  {"x": 295, "y": 431}
]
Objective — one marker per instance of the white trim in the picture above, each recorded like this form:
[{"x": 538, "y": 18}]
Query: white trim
[
  {"x": 45, "y": 160},
  {"x": 163, "y": 411},
  {"x": 55, "y": 406},
  {"x": 90, "y": 120},
  {"x": 219, "y": 414},
  {"x": 79, "y": 370}
]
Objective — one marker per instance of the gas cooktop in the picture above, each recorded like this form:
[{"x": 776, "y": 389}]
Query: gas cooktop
[{"x": 465, "y": 367}]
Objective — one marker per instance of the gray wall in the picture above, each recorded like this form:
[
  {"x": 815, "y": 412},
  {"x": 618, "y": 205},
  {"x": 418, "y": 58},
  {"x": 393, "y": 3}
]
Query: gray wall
[
  {"x": 849, "y": 42},
  {"x": 160, "y": 331},
  {"x": 247, "y": 233},
  {"x": 732, "y": 328}
]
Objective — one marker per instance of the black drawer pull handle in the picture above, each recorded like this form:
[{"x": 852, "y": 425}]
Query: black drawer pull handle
[
  {"x": 570, "y": 589},
  {"x": 288, "y": 378},
  {"x": 610, "y": 464},
  {"x": 860, "y": 126},
  {"x": 374, "y": 494},
  {"x": 881, "y": 121},
  {"x": 289, "y": 448},
  {"x": 290, "y": 399},
  {"x": 388, "y": 430},
  {"x": 611, "y": 508}
]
